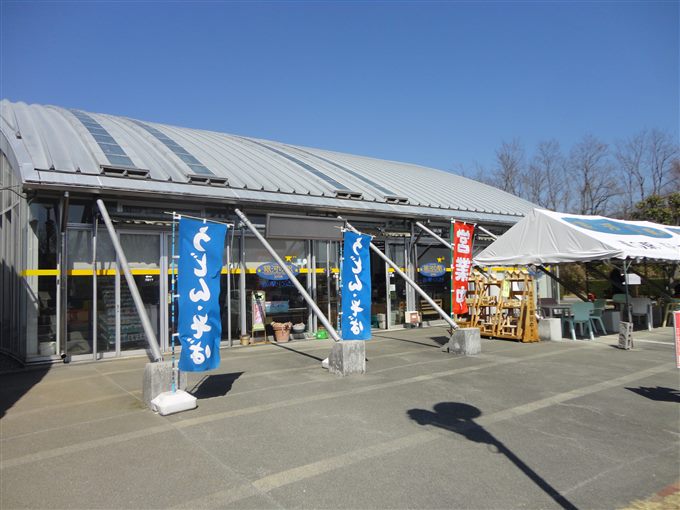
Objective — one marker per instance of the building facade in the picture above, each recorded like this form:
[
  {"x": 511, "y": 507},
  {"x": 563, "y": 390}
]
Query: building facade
[{"x": 61, "y": 284}]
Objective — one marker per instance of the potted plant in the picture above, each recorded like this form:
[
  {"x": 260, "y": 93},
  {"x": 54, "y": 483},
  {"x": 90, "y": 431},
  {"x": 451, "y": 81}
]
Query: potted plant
[{"x": 282, "y": 331}]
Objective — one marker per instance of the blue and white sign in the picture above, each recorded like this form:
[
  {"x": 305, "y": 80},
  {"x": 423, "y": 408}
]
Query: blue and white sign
[
  {"x": 199, "y": 324},
  {"x": 273, "y": 271},
  {"x": 433, "y": 269},
  {"x": 620, "y": 228},
  {"x": 356, "y": 287}
]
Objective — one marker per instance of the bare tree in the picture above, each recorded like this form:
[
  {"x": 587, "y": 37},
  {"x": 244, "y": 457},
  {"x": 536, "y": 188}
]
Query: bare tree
[
  {"x": 662, "y": 151},
  {"x": 592, "y": 176},
  {"x": 630, "y": 154},
  {"x": 477, "y": 173},
  {"x": 544, "y": 182},
  {"x": 509, "y": 166}
]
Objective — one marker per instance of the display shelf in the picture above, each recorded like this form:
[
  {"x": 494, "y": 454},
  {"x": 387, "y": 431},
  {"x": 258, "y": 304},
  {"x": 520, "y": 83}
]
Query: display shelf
[{"x": 504, "y": 307}]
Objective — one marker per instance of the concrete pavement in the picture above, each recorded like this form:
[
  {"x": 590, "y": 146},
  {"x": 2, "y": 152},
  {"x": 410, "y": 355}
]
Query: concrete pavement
[{"x": 546, "y": 425}]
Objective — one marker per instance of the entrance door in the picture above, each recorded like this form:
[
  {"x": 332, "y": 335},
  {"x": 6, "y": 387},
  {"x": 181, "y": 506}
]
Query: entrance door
[
  {"x": 396, "y": 291},
  {"x": 378, "y": 288},
  {"x": 143, "y": 251},
  {"x": 119, "y": 329}
]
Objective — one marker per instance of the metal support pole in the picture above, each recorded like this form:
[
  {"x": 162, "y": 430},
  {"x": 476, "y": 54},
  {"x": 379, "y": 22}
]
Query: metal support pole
[
  {"x": 408, "y": 280},
  {"x": 625, "y": 282},
  {"x": 231, "y": 342},
  {"x": 289, "y": 273},
  {"x": 63, "y": 278},
  {"x": 440, "y": 239},
  {"x": 95, "y": 223},
  {"x": 136, "y": 297},
  {"x": 242, "y": 300}
]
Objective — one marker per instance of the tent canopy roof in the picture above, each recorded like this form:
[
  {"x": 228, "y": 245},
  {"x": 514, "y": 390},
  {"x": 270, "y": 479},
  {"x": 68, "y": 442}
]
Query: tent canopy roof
[{"x": 547, "y": 237}]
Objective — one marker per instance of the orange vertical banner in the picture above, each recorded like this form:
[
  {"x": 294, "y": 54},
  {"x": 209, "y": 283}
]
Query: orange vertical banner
[{"x": 461, "y": 263}]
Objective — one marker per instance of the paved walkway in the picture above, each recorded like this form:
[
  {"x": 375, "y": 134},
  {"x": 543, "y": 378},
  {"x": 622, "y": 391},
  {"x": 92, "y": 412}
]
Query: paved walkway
[{"x": 545, "y": 425}]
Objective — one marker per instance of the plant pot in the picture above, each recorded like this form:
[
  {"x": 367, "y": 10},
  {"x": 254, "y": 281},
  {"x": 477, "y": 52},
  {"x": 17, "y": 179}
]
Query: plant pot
[
  {"x": 282, "y": 331},
  {"x": 245, "y": 340}
]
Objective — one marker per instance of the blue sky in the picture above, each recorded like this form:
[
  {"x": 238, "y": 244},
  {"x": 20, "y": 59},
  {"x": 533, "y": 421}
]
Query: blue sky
[{"x": 436, "y": 83}]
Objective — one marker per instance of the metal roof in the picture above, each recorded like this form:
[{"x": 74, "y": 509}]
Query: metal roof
[{"x": 68, "y": 148}]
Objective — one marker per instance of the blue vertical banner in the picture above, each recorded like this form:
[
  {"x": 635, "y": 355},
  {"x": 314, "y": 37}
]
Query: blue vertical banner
[
  {"x": 201, "y": 245},
  {"x": 356, "y": 287}
]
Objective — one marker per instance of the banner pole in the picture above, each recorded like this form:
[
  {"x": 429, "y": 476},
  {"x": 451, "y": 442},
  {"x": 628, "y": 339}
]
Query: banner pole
[
  {"x": 173, "y": 297},
  {"x": 331, "y": 330}
]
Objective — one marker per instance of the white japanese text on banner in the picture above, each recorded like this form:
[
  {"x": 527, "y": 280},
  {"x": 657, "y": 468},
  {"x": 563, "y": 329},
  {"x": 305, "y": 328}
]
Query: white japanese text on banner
[
  {"x": 356, "y": 287},
  {"x": 200, "y": 263},
  {"x": 461, "y": 263}
]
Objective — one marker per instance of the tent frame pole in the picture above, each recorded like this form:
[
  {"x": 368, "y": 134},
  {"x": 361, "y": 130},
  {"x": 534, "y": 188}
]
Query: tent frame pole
[{"x": 626, "y": 267}]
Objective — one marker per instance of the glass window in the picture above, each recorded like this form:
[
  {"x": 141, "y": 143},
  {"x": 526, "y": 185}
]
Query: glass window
[
  {"x": 112, "y": 149},
  {"x": 283, "y": 302},
  {"x": 437, "y": 286},
  {"x": 190, "y": 160},
  {"x": 79, "y": 292},
  {"x": 79, "y": 249},
  {"x": 47, "y": 316},
  {"x": 143, "y": 253},
  {"x": 80, "y": 212},
  {"x": 104, "y": 139},
  {"x": 46, "y": 228},
  {"x": 120, "y": 160}
]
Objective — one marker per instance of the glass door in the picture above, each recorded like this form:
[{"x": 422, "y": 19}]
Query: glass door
[
  {"x": 396, "y": 286},
  {"x": 118, "y": 327},
  {"x": 143, "y": 251}
]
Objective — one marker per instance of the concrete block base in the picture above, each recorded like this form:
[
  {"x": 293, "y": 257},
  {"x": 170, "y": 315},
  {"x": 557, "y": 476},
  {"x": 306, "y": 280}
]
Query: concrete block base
[
  {"x": 158, "y": 379},
  {"x": 465, "y": 341},
  {"x": 348, "y": 357},
  {"x": 550, "y": 329}
]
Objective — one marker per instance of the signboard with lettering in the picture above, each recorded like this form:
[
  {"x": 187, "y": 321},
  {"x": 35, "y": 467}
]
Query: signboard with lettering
[
  {"x": 273, "y": 271},
  {"x": 356, "y": 287},
  {"x": 433, "y": 269},
  {"x": 258, "y": 309},
  {"x": 198, "y": 279},
  {"x": 461, "y": 263}
]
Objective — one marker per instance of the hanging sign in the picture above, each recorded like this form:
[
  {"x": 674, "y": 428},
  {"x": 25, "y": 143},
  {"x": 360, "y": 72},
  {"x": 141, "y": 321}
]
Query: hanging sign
[
  {"x": 198, "y": 277},
  {"x": 273, "y": 271},
  {"x": 432, "y": 269},
  {"x": 356, "y": 287},
  {"x": 461, "y": 263}
]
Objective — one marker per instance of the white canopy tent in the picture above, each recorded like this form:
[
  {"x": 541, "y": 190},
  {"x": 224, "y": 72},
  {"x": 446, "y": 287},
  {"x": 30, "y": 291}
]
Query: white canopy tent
[{"x": 547, "y": 237}]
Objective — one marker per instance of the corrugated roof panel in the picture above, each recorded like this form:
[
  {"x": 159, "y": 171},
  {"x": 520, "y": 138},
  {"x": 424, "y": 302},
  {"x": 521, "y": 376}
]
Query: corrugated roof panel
[
  {"x": 195, "y": 166},
  {"x": 271, "y": 171}
]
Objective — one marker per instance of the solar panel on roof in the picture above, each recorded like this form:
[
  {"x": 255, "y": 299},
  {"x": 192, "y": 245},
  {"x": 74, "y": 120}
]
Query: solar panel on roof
[
  {"x": 352, "y": 172},
  {"x": 309, "y": 168},
  {"x": 196, "y": 166},
  {"x": 113, "y": 152}
]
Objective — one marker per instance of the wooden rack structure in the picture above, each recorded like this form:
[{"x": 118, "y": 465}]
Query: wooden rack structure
[{"x": 503, "y": 307}]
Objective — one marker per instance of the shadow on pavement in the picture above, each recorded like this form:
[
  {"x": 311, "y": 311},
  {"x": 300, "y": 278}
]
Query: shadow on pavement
[
  {"x": 459, "y": 418},
  {"x": 439, "y": 340},
  {"x": 217, "y": 385},
  {"x": 15, "y": 384},
  {"x": 658, "y": 393},
  {"x": 297, "y": 352}
]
